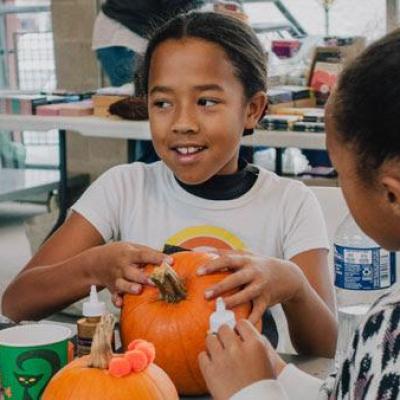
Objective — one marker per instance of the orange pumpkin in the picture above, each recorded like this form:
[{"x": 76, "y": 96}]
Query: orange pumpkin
[
  {"x": 176, "y": 322},
  {"x": 96, "y": 377}
]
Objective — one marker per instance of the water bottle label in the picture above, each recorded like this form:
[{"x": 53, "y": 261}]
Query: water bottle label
[{"x": 364, "y": 268}]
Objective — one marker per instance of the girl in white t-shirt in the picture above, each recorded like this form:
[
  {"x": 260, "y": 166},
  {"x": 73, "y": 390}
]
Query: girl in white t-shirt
[
  {"x": 362, "y": 127},
  {"x": 204, "y": 77}
]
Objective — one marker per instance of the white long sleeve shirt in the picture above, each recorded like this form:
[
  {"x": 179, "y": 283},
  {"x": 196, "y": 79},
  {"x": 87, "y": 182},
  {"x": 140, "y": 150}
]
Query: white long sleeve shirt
[
  {"x": 291, "y": 384},
  {"x": 370, "y": 370}
]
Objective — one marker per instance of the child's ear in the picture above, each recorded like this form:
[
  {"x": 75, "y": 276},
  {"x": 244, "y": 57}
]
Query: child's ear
[
  {"x": 391, "y": 184},
  {"x": 255, "y": 108}
]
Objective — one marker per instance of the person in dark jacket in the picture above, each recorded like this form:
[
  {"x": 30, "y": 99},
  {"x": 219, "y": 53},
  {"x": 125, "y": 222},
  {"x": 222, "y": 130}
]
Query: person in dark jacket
[{"x": 120, "y": 36}]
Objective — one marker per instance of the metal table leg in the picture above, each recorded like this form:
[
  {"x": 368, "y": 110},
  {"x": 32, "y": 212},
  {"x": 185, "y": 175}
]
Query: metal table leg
[
  {"x": 131, "y": 156},
  {"x": 63, "y": 185},
  {"x": 278, "y": 161}
]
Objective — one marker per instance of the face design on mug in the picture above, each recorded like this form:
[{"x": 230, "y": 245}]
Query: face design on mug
[
  {"x": 33, "y": 384},
  {"x": 28, "y": 381}
]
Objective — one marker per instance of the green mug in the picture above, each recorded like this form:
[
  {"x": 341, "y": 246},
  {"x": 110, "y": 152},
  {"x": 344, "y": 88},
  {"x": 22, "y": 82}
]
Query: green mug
[{"x": 29, "y": 356}]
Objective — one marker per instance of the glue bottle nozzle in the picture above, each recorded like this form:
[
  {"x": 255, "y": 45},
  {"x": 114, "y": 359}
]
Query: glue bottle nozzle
[
  {"x": 221, "y": 316},
  {"x": 220, "y": 305},
  {"x": 93, "y": 307},
  {"x": 93, "y": 294}
]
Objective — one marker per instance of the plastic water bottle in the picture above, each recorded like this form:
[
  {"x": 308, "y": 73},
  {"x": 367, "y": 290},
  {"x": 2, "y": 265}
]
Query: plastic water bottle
[{"x": 363, "y": 272}]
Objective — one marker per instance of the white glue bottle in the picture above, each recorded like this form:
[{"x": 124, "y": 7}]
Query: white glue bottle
[
  {"x": 92, "y": 312},
  {"x": 221, "y": 316}
]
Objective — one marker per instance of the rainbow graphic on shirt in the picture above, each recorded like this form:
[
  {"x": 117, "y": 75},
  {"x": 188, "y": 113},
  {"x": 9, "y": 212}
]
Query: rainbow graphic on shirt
[{"x": 206, "y": 238}]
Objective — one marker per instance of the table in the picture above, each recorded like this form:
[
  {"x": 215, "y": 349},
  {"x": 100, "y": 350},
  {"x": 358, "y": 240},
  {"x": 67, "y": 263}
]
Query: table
[
  {"x": 317, "y": 366},
  {"x": 140, "y": 130},
  {"x": 137, "y": 130},
  {"x": 16, "y": 183}
]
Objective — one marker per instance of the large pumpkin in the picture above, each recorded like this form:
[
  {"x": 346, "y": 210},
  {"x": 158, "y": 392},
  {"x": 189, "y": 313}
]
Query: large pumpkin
[
  {"x": 91, "y": 377},
  {"x": 174, "y": 316}
]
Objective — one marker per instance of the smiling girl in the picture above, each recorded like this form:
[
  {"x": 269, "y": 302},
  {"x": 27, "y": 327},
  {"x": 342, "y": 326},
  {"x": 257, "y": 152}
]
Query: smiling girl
[{"x": 204, "y": 77}]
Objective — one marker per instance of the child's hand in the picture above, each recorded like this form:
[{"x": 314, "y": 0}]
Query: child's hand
[
  {"x": 121, "y": 267},
  {"x": 234, "y": 361},
  {"x": 264, "y": 281}
]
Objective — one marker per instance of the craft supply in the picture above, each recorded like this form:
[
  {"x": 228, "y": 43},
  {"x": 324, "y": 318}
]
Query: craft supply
[
  {"x": 102, "y": 103},
  {"x": 63, "y": 93},
  {"x": 308, "y": 127},
  {"x": 309, "y": 102},
  {"x": 277, "y": 95},
  {"x": 221, "y": 316},
  {"x": 297, "y": 92},
  {"x": 104, "y": 375},
  {"x": 273, "y": 108},
  {"x": 80, "y": 108},
  {"x": 285, "y": 48},
  {"x": 23, "y": 104},
  {"x": 92, "y": 312},
  {"x": 279, "y": 122},
  {"x": 49, "y": 109},
  {"x": 317, "y": 115}
]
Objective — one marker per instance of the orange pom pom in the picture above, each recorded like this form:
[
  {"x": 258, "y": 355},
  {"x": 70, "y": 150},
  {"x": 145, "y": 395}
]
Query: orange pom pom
[
  {"x": 137, "y": 360},
  {"x": 132, "y": 345},
  {"x": 148, "y": 349},
  {"x": 119, "y": 366}
]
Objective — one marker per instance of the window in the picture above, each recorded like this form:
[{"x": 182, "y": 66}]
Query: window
[
  {"x": 347, "y": 17},
  {"x": 29, "y": 65}
]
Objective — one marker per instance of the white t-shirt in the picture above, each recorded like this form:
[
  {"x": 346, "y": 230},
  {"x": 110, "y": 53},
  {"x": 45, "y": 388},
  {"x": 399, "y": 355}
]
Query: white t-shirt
[
  {"x": 108, "y": 33},
  {"x": 143, "y": 203}
]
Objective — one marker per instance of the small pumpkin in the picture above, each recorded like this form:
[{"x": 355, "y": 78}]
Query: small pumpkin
[
  {"x": 103, "y": 376},
  {"x": 174, "y": 316}
]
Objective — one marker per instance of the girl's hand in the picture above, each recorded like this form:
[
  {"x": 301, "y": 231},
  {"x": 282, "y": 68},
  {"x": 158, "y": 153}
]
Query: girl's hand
[
  {"x": 264, "y": 281},
  {"x": 121, "y": 266},
  {"x": 235, "y": 360}
]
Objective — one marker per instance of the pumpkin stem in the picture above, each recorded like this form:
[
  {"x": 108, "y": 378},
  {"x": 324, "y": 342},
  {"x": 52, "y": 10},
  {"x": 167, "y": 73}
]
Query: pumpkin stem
[
  {"x": 169, "y": 283},
  {"x": 101, "y": 352}
]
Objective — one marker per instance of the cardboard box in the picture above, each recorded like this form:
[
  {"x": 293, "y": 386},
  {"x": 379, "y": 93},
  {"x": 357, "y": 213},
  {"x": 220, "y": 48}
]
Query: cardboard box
[
  {"x": 48, "y": 109},
  {"x": 24, "y": 104},
  {"x": 101, "y": 104},
  {"x": 80, "y": 108},
  {"x": 308, "y": 103},
  {"x": 328, "y": 61}
]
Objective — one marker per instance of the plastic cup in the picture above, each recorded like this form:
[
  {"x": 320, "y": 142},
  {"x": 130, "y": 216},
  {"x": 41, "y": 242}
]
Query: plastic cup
[{"x": 29, "y": 356}]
